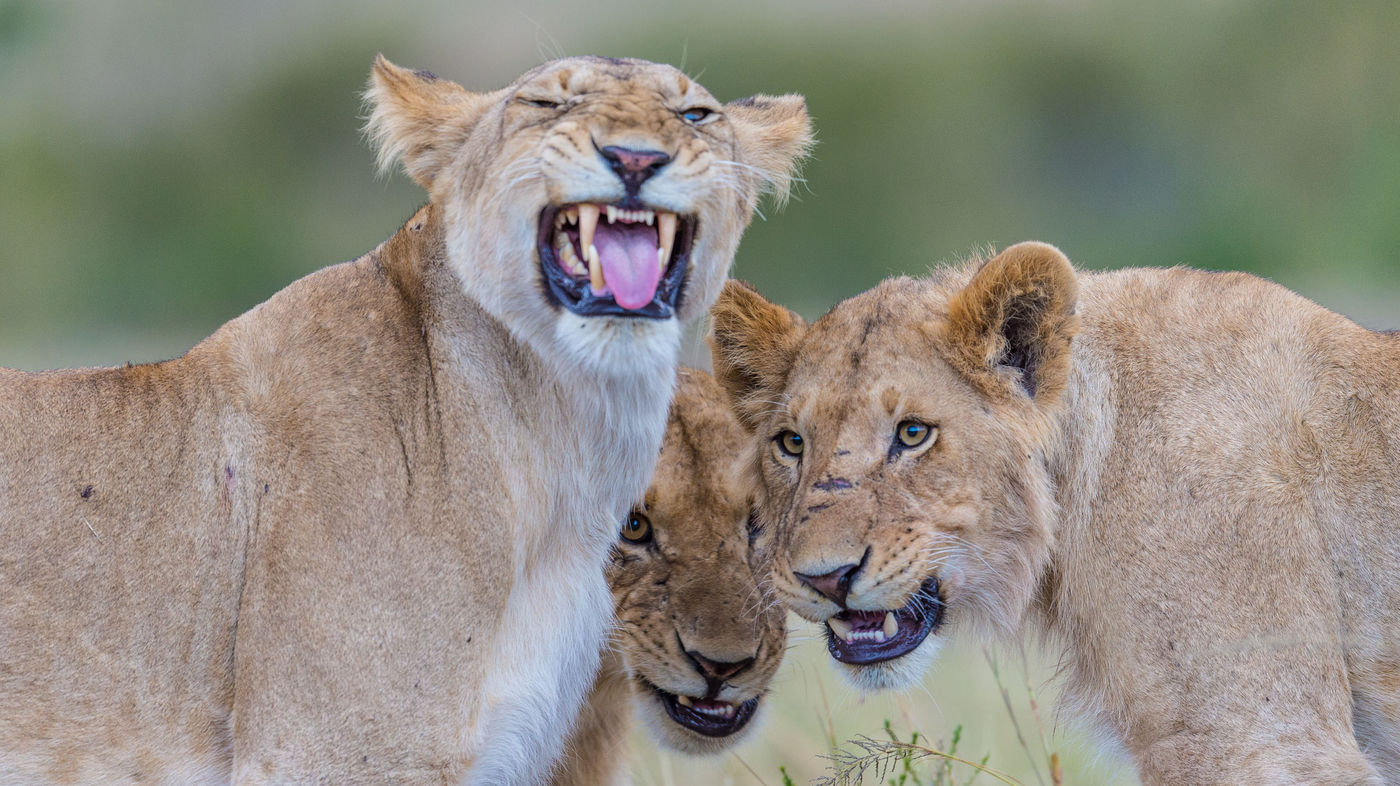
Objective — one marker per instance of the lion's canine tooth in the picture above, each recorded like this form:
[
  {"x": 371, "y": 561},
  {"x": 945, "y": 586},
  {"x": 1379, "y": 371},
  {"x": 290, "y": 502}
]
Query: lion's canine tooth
[
  {"x": 891, "y": 626},
  {"x": 612, "y": 214},
  {"x": 595, "y": 270},
  {"x": 684, "y": 701},
  {"x": 665, "y": 237},
  {"x": 841, "y": 628},
  {"x": 587, "y": 225}
]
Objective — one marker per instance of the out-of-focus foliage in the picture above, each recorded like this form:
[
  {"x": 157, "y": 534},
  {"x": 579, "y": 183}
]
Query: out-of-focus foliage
[{"x": 164, "y": 167}]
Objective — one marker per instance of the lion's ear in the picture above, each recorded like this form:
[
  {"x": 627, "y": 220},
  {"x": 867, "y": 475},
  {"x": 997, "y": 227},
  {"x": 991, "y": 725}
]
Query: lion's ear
[
  {"x": 419, "y": 119},
  {"x": 774, "y": 135},
  {"x": 1015, "y": 320},
  {"x": 752, "y": 345}
]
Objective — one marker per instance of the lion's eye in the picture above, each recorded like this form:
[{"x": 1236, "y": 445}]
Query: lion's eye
[
  {"x": 637, "y": 528},
  {"x": 790, "y": 443},
  {"x": 542, "y": 103},
  {"x": 912, "y": 433},
  {"x": 696, "y": 115}
]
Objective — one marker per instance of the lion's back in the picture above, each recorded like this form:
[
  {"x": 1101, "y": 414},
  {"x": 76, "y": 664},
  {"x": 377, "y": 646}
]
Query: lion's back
[
  {"x": 128, "y": 497},
  {"x": 1255, "y": 435}
]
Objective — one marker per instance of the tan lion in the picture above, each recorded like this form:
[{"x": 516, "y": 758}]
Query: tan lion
[
  {"x": 358, "y": 534},
  {"x": 1190, "y": 482},
  {"x": 699, "y": 636}
]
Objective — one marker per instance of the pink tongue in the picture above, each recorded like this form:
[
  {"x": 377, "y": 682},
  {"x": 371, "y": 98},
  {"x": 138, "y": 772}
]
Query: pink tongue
[{"x": 630, "y": 268}]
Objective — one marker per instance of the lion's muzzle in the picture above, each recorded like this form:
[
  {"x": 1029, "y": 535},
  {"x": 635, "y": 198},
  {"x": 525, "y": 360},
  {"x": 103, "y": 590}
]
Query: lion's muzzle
[{"x": 617, "y": 259}]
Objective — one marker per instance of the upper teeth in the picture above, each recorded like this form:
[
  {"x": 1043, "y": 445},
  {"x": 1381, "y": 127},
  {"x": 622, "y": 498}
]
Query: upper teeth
[
  {"x": 630, "y": 216},
  {"x": 586, "y": 216},
  {"x": 847, "y": 632}
]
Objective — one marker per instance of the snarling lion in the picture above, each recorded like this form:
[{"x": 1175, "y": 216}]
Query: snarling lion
[
  {"x": 699, "y": 634},
  {"x": 1190, "y": 482},
  {"x": 358, "y": 534}
]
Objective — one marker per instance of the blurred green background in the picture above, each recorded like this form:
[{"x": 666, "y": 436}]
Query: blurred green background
[{"x": 164, "y": 166}]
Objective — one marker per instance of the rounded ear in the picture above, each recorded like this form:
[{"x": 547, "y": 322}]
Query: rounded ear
[
  {"x": 1016, "y": 318},
  {"x": 774, "y": 135},
  {"x": 419, "y": 119},
  {"x": 753, "y": 344}
]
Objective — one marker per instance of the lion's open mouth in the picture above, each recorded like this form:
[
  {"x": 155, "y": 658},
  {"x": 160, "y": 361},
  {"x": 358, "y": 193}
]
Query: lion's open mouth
[
  {"x": 710, "y": 717},
  {"x": 862, "y": 637},
  {"x": 599, "y": 259}
]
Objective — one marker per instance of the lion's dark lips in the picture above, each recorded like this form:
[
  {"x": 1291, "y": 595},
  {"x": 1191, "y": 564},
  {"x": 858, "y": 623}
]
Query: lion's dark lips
[
  {"x": 917, "y": 619},
  {"x": 575, "y": 294},
  {"x": 710, "y": 725}
]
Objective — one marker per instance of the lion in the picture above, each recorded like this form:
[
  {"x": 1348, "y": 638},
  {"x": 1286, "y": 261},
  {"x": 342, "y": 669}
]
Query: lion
[
  {"x": 699, "y": 636},
  {"x": 1188, "y": 482},
  {"x": 358, "y": 534}
]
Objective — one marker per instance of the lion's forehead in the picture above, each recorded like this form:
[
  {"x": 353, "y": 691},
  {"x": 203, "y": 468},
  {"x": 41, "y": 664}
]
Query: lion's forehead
[
  {"x": 614, "y": 76},
  {"x": 872, "y": 359}
]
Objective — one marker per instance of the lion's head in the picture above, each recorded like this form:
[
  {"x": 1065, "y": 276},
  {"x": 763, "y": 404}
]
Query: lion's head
[
  {"x": 596, "y": 203},
  {"x": 900, "y": 446},
  {"x": 698, "y": 627}
]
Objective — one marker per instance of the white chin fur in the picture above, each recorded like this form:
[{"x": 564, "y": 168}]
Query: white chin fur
[
  {"x": 902, "y": 672},
  {"x": 618, "y": 345},
  {"x": 675, "y": 737}
]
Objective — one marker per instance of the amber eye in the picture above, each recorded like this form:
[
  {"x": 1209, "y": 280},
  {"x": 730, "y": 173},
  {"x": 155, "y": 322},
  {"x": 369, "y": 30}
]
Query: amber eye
[
  {"x": 637, "y": 528},
  {"x": 912, "y": 433},
  {"x": 790, "y": 443}
]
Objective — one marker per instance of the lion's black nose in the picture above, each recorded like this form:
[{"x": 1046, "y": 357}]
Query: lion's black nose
[
  {"x": 835, "y": 584},
  {"x": 716, "y": 671},
  {"x": 634, "y": 167}
]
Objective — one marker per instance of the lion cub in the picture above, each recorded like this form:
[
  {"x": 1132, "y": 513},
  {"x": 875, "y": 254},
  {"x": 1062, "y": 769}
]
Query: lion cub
[
  {"x": 358, "y": 534},
  {"x": 699, "y": 636},
  {"x": 1190, "y": 481}
]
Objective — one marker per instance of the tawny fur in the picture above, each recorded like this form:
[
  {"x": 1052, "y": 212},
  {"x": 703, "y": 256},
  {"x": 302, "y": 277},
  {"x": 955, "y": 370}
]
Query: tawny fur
[
  {"x": 702, "y": 585},
  {"x": 1188, "y": 482},
  {"x": 358, "y": 534}
]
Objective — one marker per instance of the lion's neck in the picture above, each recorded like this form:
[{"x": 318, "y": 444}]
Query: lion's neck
[
  {"x": 576, "y": 448},
  {"x": 585, "y": 448}
]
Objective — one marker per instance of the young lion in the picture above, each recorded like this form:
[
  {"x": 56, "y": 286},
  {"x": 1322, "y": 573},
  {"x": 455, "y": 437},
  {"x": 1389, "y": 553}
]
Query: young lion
[
  {"x": 1190, "y": 480},
  {"x": 358, "y": 534},
  {"x": 698, "y": 637}
]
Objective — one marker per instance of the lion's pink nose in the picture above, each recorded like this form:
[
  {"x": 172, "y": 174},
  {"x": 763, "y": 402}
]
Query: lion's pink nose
[{"x": 634, "y": 167}]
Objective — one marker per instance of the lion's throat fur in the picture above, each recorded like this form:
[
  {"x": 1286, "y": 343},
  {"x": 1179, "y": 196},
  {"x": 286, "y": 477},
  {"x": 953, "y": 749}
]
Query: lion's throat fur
[{"x": 556, "y": 621}]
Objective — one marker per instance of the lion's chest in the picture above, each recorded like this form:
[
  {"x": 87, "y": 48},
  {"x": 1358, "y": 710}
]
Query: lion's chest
[{"x": 545, "y": 656}]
